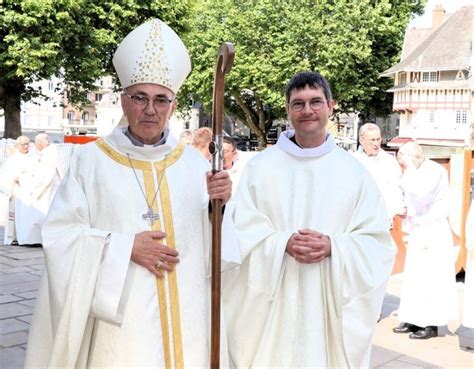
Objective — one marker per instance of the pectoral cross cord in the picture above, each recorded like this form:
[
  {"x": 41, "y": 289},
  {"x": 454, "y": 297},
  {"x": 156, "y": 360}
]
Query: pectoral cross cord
[{"x": 150, "y": 216}]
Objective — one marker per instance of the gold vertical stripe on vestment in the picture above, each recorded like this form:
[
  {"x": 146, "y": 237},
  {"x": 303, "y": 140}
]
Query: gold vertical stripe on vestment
[
  {"x": 172, "y": 277},
  {"x": 160, "y": 284}
]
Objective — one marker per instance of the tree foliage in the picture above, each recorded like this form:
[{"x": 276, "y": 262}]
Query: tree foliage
[
  {"x": 349, "y": 42},
  {"x": 72, "y": 39}
]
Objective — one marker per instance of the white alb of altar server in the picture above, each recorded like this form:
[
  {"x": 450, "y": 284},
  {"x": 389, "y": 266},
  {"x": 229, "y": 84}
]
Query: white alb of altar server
[
  {"x": 428, "y": 292},
  {"x": 15, "y": 175},
  {"x": 468, "y": 309},
  {"x": 34, "y": 199},
  {"x": 126, "y": 239}
]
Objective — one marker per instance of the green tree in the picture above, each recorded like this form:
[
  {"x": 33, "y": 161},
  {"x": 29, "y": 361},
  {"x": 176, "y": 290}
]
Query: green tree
[
  {"x": 72, "y": 39},
  {"x": 349, "y": 42}
]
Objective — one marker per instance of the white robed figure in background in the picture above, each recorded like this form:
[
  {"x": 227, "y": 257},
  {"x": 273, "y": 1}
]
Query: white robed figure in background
[
  {"x": 428, "y": 293},
  {"x": 382, "y": 166},
  {"x": 468, "y": 308},
  {"x": 315, "y": 247},
  {"x": 15, "y": 175},
  {"x": 126, "y": 239},
  {"x": 34, "y": 199}
]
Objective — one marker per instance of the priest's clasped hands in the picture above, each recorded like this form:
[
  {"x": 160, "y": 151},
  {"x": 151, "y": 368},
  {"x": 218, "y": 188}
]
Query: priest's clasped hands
[{"x": 308, "y": 246}]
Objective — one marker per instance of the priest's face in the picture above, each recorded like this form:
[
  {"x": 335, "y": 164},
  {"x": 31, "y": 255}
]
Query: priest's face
[
  {"x": 371, "y": 142},
  {"x": 230, "y": 154},
  {"x": 309, "y": 111},
  {"x": 148, "y": 108},
  {"x": 23, "y": 143}
]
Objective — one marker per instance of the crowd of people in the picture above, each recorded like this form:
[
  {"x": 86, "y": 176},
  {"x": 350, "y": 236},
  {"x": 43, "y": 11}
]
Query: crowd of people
[
  {"x": 28, "y": 182},
  {"x": 417, "y": 189},
  {"x": 307, "y": 252}
]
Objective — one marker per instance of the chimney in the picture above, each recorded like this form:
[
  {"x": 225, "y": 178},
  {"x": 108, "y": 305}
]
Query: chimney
[{"x": 438, "y": 16}]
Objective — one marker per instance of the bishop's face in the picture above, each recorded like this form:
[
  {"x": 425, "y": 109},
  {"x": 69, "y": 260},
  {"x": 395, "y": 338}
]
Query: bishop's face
[
  {"x": 148, "y": 108},
  {"x": 309, "y": 111}
]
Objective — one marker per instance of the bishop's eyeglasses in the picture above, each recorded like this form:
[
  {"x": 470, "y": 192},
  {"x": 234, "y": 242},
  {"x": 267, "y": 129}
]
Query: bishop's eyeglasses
[
  {"x": 314, "y": 104},
  {"x": 159, "y": 103}
]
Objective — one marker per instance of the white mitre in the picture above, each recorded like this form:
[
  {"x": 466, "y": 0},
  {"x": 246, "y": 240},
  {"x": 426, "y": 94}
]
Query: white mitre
[{"x": 152, "y": 53}]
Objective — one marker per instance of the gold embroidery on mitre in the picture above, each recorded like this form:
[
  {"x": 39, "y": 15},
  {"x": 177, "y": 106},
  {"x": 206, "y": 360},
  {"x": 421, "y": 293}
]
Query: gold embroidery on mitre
[{"x": 152, "y": 65}]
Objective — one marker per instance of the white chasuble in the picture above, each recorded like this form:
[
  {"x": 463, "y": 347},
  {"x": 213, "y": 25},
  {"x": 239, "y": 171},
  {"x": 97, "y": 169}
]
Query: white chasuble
[
  {"x": 34, "y": 199},
  {"x": 284, "y": 314},
  {"x": 96, "y": 308}
]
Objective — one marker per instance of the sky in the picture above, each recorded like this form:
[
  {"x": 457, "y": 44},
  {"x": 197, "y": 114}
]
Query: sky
[{"x": 450, "y": 6}]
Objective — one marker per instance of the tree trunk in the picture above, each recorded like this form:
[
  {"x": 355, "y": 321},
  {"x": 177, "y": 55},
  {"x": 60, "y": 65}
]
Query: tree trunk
[
  {"x": 12, "y": 119},
  {"x": 262, "y": 139},
  {"x": 258, "y": 128},
  {"x": 10, "y": 100}
]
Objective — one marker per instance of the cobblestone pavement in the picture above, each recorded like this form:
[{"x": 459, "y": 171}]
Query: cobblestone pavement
[
  {"x": 20, "y": 272},
  {"x": 21, "y": 268}
]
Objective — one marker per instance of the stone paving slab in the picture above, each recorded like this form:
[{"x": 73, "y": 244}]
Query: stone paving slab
[
  {"x": 31, "y": 303},
  {"x": 9, "y": 298},
  {"x": 7, "y": 269},
  {"x": 17, "y": 278},
  {"x": 381, "y": 356},
  {"x": 19, "y": 287},
  {"x": 14, "y": 339},
  {"x": 26, "y": 262},
  {"x": 14, "y": 309},
  {"x": 27, "y": 295},
  {"x": 25, "y": 318},
  {"x": 37, "y": 267},
  {"x": 12, "y": 325},
  {"x": 12, "y": 358},
  {"x": 27, "y": 255}
]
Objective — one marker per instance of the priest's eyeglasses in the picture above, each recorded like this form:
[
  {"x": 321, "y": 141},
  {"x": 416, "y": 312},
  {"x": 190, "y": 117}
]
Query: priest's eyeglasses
[
  {"x": 314, "y": 104},
  {"x": 159, "y": 103}
]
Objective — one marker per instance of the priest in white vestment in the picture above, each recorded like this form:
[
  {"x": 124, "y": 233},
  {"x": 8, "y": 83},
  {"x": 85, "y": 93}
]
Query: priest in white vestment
[
  {"x": 428, "y": 293},
  {"x": 315, "y": 247},
  {"x": 34, "y": 199},
  {"x": 468, "y": 308},
  {"x": 14, "y": 176},
  {"x": 382, "y": 166},
  {"x": 126, "y": 239}
]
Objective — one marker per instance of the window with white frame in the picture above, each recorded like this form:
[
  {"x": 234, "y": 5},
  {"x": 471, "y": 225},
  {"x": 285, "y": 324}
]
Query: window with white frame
[
  {"x": 429, "y": 77},
  {"x": 461, "y": 116},
  {"x": 85, "y": 118},
  {"x": 50, "y": 85},
  {"x": 70, "y": 117}
]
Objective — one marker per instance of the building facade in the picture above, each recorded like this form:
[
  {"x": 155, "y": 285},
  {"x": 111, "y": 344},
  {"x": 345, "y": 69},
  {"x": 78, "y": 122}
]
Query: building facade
[{"x": 433, "y": 84}]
